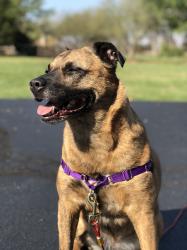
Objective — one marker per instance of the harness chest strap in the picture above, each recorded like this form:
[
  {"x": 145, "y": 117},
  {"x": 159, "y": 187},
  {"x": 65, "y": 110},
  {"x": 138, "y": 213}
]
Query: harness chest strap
[{"x": 104, "y": 180}]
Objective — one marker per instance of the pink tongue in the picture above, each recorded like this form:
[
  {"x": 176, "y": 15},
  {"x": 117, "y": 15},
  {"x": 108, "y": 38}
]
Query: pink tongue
[{"x": 44, "y": 110}]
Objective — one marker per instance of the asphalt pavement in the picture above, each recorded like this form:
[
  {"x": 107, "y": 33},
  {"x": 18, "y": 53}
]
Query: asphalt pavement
[{"x": 29, "y": 159}]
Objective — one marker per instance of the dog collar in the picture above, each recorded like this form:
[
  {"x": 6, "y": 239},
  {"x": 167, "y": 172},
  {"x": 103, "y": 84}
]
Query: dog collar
[{"x": 104, "y": 180}]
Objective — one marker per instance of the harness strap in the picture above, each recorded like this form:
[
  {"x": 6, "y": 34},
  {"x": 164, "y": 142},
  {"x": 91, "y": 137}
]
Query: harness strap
[{"x": 104, "y": 180}]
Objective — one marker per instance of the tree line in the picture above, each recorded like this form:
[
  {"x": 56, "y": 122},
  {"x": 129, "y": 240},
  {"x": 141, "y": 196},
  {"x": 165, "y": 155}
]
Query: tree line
[{"x": 121, "y": 21}]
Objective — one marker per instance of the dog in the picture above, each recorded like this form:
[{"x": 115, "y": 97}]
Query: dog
[{"x": 102, "y": 136}]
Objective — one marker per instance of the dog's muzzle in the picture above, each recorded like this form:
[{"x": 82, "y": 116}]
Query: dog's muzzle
[{"x": 60, "y": 102}]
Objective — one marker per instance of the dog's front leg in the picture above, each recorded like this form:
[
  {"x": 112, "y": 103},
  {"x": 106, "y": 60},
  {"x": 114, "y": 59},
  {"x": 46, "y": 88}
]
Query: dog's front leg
[
  {"x": 68, "y": 216},
  {"x": 147, "y": 226}
]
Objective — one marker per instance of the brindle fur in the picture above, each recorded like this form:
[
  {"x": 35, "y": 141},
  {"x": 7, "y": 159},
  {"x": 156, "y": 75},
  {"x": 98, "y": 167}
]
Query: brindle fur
[{"x": 106, "y": 139}]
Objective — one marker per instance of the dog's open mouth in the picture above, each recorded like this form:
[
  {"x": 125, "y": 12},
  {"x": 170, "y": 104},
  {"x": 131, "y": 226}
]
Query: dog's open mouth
[{"x": 53, "y": 112}]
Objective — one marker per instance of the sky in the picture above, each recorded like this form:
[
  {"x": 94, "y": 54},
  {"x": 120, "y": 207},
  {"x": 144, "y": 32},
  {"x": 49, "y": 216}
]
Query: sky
[{"x": 67, "y": 6}]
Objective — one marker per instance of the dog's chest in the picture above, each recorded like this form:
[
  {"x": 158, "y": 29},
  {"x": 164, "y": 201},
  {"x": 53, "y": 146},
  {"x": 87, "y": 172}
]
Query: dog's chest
[
  {"x": 115, "y": 224},
  {"x": 111, "y": 204}
]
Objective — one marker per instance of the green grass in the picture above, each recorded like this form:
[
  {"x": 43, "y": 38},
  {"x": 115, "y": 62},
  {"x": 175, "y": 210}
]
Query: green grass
[
  {"x": 156, "y": 79},
  {"x": 146, "y": 78},
  {"x": 15, "y": 74}
]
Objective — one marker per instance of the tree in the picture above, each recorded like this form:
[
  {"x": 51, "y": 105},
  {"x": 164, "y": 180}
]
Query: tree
[
  {"x": 174, "y": 12},
  {"x": 17, "y": 21},
  {"x": 119, "y": 21}
]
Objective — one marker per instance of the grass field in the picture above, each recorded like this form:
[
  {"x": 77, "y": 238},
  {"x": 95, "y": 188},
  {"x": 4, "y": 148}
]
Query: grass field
[{"x": 146, "y": 78}]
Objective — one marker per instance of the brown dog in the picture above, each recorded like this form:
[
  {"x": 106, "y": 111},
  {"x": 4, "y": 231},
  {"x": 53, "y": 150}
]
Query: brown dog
[{"x": 102, "y": 136}]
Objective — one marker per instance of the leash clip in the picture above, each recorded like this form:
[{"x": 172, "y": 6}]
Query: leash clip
[
  {"x": 94, "y": 217},
  {"x": 92, "y": 200}
]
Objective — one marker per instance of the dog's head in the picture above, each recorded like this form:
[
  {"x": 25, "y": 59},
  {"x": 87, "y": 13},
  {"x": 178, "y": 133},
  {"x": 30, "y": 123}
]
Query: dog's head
[{"x": 77, "y": 81}]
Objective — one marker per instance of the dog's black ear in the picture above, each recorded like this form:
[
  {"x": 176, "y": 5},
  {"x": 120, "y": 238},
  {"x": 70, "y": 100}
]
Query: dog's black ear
[{"x": 108, "y": 53}]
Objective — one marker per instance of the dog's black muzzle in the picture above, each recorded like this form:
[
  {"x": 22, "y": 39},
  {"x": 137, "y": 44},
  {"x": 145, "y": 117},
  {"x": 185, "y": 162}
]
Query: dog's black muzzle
[{"x": 60, "y": 101}]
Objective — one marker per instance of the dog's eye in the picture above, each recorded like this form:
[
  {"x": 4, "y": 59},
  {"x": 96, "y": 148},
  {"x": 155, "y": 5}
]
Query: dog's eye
[{"x": 71, "y": 69}]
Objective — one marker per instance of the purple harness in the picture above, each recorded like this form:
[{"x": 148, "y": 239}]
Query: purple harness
[{"x": 103, "y": 180}]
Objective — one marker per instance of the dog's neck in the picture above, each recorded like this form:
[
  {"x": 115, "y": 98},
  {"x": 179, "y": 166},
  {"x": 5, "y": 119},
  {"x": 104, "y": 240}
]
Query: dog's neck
[{"x": 96, "y": 135}]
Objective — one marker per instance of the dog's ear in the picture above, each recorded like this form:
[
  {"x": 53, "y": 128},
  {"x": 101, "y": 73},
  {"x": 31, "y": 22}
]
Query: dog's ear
[{"x": 108, "y": 53}]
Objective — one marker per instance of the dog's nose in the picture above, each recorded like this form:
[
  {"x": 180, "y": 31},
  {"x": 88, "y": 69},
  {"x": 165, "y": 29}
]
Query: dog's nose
[{"x": 37, "y": 84}]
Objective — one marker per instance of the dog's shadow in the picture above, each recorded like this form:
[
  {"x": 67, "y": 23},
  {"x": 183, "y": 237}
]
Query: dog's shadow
[{"x": 176, "y": 238}]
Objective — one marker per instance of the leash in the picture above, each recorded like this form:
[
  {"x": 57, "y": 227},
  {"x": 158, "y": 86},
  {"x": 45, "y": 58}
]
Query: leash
[
  {"x": 175, "y": 221},
  {"x": 102, "y": 180}
]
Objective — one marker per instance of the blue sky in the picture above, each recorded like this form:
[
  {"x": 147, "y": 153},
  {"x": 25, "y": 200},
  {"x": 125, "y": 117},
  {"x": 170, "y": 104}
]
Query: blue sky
[{"x": 70, "y": 5}]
